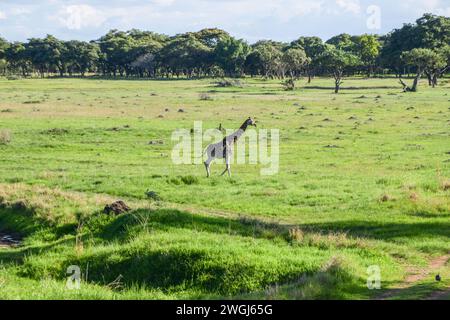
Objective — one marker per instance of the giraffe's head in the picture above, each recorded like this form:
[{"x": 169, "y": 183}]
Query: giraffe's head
[{"x": 250, "y": 122}]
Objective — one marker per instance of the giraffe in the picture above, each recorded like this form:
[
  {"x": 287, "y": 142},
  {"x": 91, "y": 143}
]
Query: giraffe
[{"x": 224, "y": 149}]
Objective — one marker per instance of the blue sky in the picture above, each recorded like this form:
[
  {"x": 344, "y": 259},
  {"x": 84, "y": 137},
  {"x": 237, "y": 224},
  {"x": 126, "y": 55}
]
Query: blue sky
[{"x": 252, "y": 20}]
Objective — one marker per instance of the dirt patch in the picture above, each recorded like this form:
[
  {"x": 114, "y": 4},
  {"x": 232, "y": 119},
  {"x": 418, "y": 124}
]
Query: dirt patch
[
  {"x": 439, "y": 295},
  {"x": 419, "y": 274},
  {"x": 117, "y": 207}
]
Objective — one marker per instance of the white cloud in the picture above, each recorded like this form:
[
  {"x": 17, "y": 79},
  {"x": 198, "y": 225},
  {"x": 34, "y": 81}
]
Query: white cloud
[
  {"x": 164, "y": 3},
  {"x": 19, "y": 11},
  {"x": 2, "y": 15},
  {"x": 76, "y": 17},
  {"x": 352, "y": 6},
  {"x": 286, "y": 10}
]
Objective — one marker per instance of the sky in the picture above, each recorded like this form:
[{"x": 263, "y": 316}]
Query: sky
[{"x": 252, "y": 20}]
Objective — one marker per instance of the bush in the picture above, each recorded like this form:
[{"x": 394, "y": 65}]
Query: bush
[
  {"x": 226, "y": 83},
  {"x": 289, "y": 85},
  {"x": 5, "y": 137}
]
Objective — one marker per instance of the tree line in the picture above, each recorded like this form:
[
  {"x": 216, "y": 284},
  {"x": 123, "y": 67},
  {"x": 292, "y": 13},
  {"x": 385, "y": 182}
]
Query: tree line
[{"x": 422, "y": 48}]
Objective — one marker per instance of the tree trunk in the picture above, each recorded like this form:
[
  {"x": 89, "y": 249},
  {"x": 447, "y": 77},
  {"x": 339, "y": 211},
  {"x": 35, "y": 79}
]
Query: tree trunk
[
  {"x": 415, "y": 85},
  {"x": 430, "y": 80},
  {"x": 416, "y": 82},
  {"x": 337, "y": 81},
  {"x": 434, "y": 80}
]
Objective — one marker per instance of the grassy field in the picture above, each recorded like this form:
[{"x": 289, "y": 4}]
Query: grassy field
[{"x": 364, "y": 180}]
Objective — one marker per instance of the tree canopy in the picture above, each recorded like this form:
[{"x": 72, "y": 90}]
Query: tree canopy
[{"x": 214, "y": 52}]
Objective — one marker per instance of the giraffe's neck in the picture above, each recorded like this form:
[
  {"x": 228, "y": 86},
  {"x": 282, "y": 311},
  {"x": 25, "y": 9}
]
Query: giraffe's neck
[{"x": 236, "y": 135}]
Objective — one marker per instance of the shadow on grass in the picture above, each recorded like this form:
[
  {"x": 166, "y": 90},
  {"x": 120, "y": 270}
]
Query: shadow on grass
[
  {"x": 177, "y": 268},
  {"x": 165, "y": 219},
  {"x": 351, "y": 88},
  {"x": 386, "y": 230},
  {"x": 122, "y": 78},
  {"x": 412, "y": 292}
]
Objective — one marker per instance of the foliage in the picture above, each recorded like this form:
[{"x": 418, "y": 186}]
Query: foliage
[
  {"x": 335, "y": 62},
  {"x": 215, "y": 53}
]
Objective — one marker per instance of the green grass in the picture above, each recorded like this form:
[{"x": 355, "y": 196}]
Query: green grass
[{"x": 381, "y": 197}]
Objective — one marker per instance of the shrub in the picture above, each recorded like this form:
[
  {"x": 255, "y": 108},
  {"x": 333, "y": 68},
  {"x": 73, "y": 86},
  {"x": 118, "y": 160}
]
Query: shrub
[
  {"x": 296, "y": 235},
  {"x": 226, "y": 83},
  {"x": 289, "y": 85}
]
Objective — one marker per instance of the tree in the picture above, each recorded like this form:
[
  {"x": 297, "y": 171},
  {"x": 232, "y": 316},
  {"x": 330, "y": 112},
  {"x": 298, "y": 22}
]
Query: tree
[
  {"x": 46, "y": 54},
  {"x": 368, "y": 49},
  {"x": 313, "y": 47},
  {"x": 185, "y": 54},
  {"x": 335, "y": 62},
  {"x": 270, "y": 58},
  {"x": 3, "y": 47},
  {"x": 211, "y": 37},
  {"x": 80, "y": 56},
  {"x": 212, "y": 52},
  {"x": 429, "y": 31},
  {"x": 117, "y": 51},
  {"x": 294, "y": 61},
  {"x": 343, "y": 42},
  {"x": 421, "y": 59},
  {"x": 230, "y": 54},
  {"x": 144, "y": 54},
  {"x": 395, "y": 43},
  {"x": 145, "y": 64},
  {"x": 433, "y": 31},
  {"x": 17, "y": 58},
  {"x": 254, "y": 64}
]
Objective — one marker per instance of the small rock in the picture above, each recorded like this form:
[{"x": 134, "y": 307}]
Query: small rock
[{"x": 155, "y": 142}]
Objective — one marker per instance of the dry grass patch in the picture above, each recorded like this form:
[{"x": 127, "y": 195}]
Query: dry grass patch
[
  {"x": 5, "y": 136},
  {"x": 54, "y": 205},
  {"x": 445, "y": 185},
  {"x": 325, "y": 240}
]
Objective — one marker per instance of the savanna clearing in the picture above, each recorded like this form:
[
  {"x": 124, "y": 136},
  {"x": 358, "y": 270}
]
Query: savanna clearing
[{"x": 364, "y": 180}]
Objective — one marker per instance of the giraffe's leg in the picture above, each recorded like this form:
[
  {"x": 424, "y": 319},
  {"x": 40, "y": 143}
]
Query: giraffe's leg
[
  {"x": 227, "y": 169},
  {"x": 224, "y": 171},
  {"x": 208, "y": 167}
]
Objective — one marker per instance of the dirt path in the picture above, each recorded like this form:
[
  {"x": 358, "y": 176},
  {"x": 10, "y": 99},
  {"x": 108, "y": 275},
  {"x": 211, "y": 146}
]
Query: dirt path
[{"x": 419, "y": 274}]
